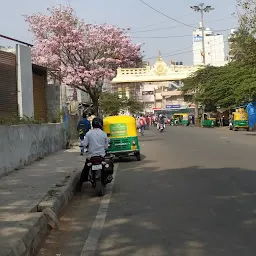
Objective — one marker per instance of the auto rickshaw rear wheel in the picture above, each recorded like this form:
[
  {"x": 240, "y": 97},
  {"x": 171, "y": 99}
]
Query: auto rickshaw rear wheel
[{"x": 137, "y": 155}]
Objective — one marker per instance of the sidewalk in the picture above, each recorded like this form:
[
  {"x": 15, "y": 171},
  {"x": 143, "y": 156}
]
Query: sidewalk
[{"x": 26, "y": 193}]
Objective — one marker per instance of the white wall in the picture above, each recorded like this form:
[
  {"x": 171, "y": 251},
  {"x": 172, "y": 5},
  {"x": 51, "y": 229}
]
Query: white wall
[
  {"x": 24, "y": 81},
  {"x": 22, "y": 144},
  {"x": 214, "y": 50}
]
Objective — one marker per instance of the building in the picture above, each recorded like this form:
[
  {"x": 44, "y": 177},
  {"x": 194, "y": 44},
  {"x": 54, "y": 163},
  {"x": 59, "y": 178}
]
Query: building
[
  {"x": 230, "y": 52},
  {"x": 22, "y": 85},
  {"x": 214, "y": 48},
  {"x": 73, "y": 100},
  {"x": 158, "y": 86}
]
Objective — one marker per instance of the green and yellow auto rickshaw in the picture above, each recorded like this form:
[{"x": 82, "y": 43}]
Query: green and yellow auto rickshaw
[
  {"x": 122, "y": 132},
  {"x": 182, "y": 118},
  {"x": 240, "y": 119},
  {"x": 209, "y": 120}
]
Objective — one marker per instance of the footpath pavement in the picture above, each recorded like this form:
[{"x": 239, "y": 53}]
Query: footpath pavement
[{"x": 32, "y": 198}]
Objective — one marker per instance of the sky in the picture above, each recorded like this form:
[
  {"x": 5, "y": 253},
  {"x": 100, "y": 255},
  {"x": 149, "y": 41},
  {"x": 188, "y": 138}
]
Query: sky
[{"x": 155, "y": 31}]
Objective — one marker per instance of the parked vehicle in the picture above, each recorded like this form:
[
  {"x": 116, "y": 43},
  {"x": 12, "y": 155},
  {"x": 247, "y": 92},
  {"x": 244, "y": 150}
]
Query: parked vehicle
[
  {"x": 209, "y": 120},
  {"x": 123, "y": 136},
  {"x": 101, "y": 172},
  {"x": 240, "y": 120},
  {"x": 182, "y": 118}
]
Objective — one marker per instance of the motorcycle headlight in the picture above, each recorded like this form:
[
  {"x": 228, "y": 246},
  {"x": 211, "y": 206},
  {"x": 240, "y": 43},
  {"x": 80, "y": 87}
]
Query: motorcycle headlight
[{"x": 106, "y": 165}]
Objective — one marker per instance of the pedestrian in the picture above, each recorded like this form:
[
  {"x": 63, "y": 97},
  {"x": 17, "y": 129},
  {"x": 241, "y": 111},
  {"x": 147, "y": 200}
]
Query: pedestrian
[
  {"x": 147, "y": 122},
  {"x": 142, "y": 121},
  {"x": 83, "y": 127}
]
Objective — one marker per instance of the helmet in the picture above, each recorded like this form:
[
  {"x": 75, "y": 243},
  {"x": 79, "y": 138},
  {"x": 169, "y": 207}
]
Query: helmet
[
  {"x": 97, "y": 123},
  {"x": 160, "y": 115}
]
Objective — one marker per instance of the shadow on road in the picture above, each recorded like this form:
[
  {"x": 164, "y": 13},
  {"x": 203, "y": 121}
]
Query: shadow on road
[
  {"x": 130, "y": 159},
  {"x": 183, "y": 212}
]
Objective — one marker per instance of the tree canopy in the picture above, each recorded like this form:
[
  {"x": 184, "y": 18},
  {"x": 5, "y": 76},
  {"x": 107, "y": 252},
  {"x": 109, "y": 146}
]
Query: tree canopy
[
  {"x": 80, "y": 55},
  {"x": 235, "y": 83},
  {"x": 224, "y": 87},
  {"x": 111, "y": 103}
]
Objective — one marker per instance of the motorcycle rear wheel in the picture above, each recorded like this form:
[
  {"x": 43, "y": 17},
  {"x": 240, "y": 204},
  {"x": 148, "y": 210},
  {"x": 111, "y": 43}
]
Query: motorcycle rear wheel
[{"x": 100, "y": 188}]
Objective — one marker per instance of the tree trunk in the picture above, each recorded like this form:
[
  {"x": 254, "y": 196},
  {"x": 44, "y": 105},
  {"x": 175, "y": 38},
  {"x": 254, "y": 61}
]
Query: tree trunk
[{"x": 95, "y": 102}]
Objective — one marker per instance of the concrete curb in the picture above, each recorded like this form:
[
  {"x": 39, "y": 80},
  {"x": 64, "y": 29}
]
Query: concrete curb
[{"x": 34, "y": 225}]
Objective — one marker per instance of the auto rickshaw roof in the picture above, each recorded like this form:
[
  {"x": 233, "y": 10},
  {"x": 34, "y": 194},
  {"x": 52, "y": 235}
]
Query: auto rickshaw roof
[{"x": 119, "y": 119}]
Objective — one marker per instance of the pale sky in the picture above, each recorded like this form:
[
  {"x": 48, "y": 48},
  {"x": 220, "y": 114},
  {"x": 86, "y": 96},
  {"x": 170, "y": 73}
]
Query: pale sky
[{"x": 176, "y": 41}]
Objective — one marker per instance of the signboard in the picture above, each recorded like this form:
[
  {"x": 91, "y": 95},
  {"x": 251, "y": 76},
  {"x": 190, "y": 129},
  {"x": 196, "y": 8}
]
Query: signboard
[
  {"x": 118, "y": 130},
  {"x": 198, "y": 38},
  {"x": 173, "y": 106}
]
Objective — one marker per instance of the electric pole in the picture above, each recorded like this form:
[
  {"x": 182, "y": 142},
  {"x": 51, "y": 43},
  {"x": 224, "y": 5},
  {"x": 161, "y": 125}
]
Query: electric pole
[{"x": 202, "y": 8}]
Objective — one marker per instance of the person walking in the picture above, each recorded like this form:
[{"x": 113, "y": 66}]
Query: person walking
[
  {"x": 148, "y": 122},
  {"x": 142, "y": 121},
  {"x": 83, "y": 127}
]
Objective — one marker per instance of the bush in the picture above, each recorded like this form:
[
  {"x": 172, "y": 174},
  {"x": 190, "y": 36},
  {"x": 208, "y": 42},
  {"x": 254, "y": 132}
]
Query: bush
[{"x": 18, "y": 120}]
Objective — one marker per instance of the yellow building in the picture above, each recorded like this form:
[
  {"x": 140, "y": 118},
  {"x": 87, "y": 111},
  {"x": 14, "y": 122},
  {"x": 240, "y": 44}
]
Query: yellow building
[{"x": 157, "y": 86}]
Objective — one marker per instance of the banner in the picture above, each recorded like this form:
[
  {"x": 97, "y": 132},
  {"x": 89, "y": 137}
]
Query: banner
[{"x": 173, "y": 106}]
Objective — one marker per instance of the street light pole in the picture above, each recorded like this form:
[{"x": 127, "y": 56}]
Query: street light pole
[
  {"x": 202, "y": 8},
  {"x": 203, "y": 45}
]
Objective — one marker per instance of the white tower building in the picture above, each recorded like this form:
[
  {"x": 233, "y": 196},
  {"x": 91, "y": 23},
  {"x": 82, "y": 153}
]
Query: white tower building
[{"x": 214, "y": 48}]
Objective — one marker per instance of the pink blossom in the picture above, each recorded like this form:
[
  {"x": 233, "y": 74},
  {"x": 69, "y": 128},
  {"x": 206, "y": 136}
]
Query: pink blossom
[{"x": 80, "y": 54}]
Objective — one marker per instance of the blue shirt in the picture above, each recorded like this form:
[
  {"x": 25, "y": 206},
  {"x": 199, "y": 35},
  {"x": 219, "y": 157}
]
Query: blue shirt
[{"x": 84, "y": 124}]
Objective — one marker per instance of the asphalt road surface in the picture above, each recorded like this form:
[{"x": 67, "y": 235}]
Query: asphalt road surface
[{"x": 193, "y": 194}]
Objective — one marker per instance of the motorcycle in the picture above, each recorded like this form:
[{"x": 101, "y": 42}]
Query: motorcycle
[
  {"x": 101, "y": 172},
  {"x": 161, "y": 127}
]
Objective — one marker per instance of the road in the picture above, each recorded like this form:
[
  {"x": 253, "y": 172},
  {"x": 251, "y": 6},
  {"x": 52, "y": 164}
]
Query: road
[{"x": 193, "y": 194}]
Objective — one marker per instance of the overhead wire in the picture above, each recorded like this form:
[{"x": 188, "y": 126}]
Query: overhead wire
[
  {"x": 173, "y": 27},
  {"x": 160, "y": 37},
  {"x": 165, "y": 15},
  {"x": 172, "y": 36},
  {"x": 175, "y": 53},
  {"x": 161, "y": 22}
]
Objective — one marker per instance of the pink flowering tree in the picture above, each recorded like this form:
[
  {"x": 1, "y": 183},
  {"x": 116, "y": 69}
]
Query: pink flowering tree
[{"x": 78, "y": 54}]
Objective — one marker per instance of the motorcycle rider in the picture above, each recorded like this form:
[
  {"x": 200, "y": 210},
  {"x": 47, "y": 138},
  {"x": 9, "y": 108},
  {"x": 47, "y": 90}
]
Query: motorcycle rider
[
  {"x": 161, "y": 120},
  {"x": 97, "y": 142}
]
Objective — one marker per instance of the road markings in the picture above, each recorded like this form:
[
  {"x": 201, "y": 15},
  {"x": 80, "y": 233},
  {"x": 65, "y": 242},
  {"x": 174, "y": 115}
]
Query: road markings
[{"x": 91, "y": 243}]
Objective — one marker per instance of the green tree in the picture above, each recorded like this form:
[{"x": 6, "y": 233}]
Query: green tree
[
  {"x": 134, "y": 106},
  {"x": 224, "y": 87},
  {"x": 235, "y": 83},
  {"x": 243, "y": 42},
  {"x": 111, "y": 103}
]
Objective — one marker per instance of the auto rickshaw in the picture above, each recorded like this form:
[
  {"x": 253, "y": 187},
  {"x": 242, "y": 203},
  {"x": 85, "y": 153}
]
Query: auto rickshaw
[
  {"x": 122, "y": 132},
  {"x": 240, "y": 119},
  {"x": 182, "y": 117},
  {"x": 209, "y": 120}
]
